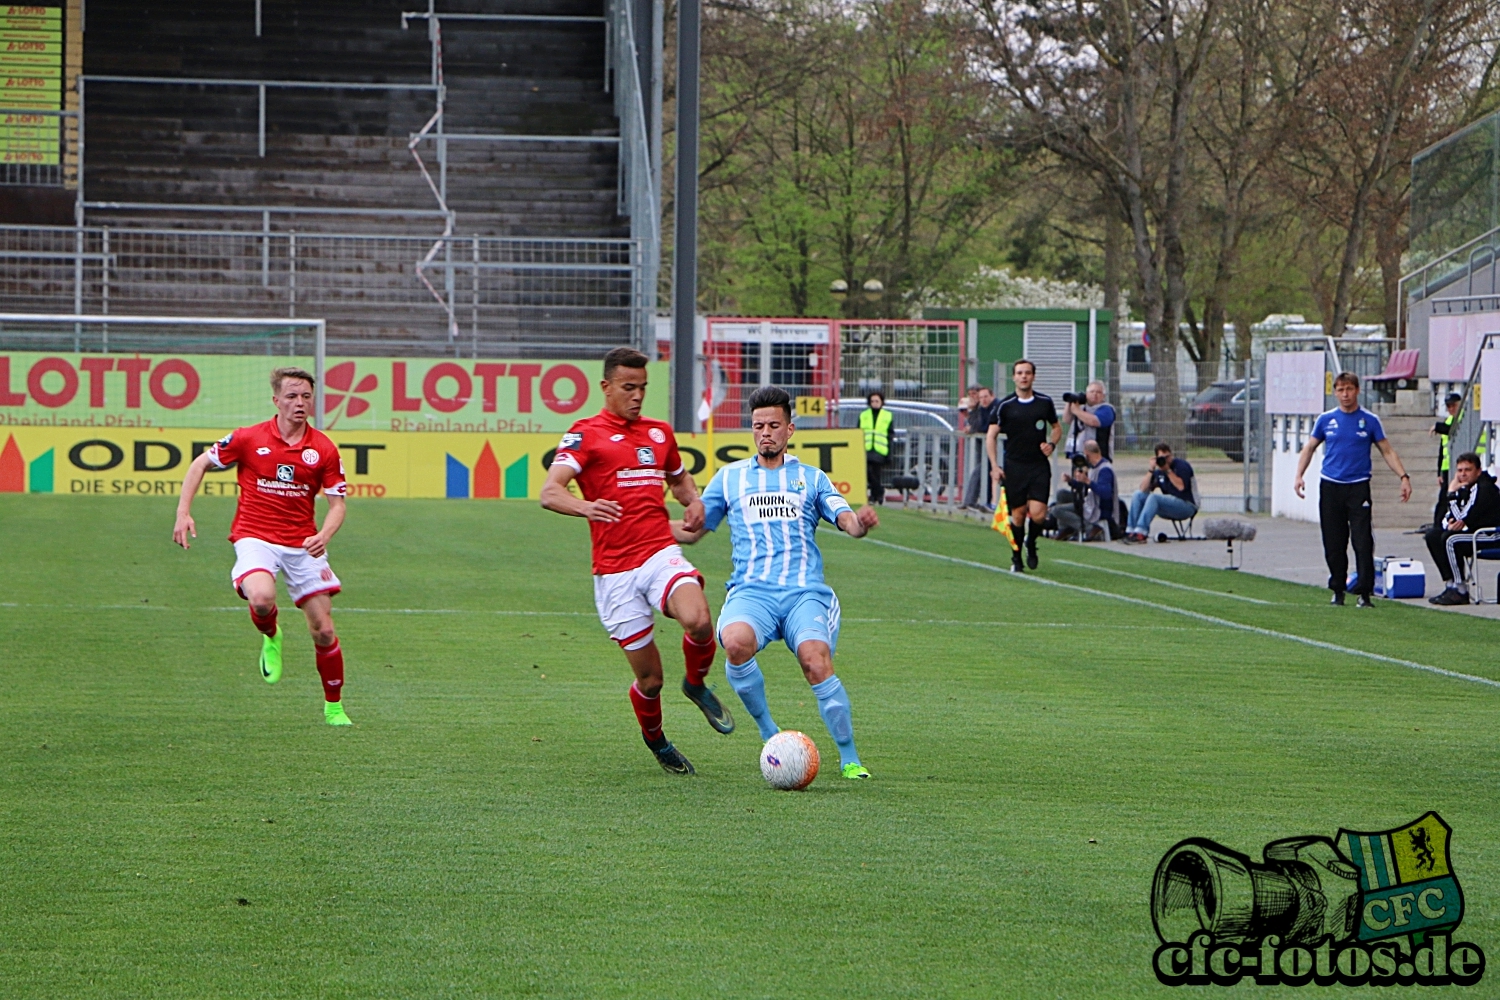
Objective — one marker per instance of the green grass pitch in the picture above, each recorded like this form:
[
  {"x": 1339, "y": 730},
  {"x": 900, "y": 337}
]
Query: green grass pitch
[{"x": 491, "y": 826}]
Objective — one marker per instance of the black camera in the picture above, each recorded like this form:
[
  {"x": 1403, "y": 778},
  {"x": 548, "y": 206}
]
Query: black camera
[
  {"x": 1075, "y": 397},
  {"x": 1161, "y": 461}
]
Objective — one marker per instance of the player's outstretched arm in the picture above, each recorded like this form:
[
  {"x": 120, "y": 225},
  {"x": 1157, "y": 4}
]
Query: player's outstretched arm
[
  {"x": 557, "y": 498},
  {"x": 317, "y": 545},
  {"x": 185, "y": 528},
  {"x": 857, "y": 523}
]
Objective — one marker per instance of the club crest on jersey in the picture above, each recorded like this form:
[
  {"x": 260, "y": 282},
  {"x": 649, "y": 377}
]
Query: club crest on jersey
[
  {"x": 572, "y": 439},
  {"x": 286, "y": 473},
  {"x": 310, "y": 456},
  {"x": 645, "y": 456},
  {"x": 797, "y": 485},
  {"x": 656, "y": 435},
  {"x": 263, "y": 450}
]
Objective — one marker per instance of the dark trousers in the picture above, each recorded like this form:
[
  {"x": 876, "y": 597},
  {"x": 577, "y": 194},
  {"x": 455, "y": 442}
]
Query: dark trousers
[
  {"x": 1344, "y": 513},
  {"x": 1437, "y": 544},
  {"x": 1440, "y": 510},
  {"x": 874, "y": 467}
]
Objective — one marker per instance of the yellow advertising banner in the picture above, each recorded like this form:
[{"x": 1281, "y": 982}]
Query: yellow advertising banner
[{"x": 151, "y": 461}]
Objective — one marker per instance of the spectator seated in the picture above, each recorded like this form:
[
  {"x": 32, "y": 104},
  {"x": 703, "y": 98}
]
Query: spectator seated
[
  {"x": 1168, "y": 490},
  {"x": 1468, "y": 530}
]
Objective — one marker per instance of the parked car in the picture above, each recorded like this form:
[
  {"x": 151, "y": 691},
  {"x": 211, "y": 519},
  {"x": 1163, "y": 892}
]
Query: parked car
[
  {"x": 911, "y": 415},
  {"x": 1216, "y": 419}
]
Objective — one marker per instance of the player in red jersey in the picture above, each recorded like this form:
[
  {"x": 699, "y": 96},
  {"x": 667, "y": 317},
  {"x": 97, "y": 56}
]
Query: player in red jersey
[
  {"x": 283, "y": 465},
  {"x": 622, "y": 461}
]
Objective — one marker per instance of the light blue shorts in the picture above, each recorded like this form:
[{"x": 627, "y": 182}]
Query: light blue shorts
[{"x": 794, "y": 615}]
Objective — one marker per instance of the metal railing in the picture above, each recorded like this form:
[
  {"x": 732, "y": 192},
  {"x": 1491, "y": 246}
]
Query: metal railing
[
  {"x": 1444, "y": 271},
  {"x": 511, "y": 296},
  {"x": 639, "y": 187},
  {"x": 1469, "y": 427}
]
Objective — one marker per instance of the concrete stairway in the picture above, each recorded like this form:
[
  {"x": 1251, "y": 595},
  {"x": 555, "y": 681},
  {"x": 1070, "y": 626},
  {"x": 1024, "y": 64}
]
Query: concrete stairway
[
  {"x": 347, "y": 149},
  {"x": 1418, "y": 450}
]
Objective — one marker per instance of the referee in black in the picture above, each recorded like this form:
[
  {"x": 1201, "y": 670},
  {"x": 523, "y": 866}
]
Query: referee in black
[{"x": 1029, "y": 422}]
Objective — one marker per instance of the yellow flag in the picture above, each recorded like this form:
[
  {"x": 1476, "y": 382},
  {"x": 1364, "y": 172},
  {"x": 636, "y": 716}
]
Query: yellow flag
[{"x": 1001, "y": 521}]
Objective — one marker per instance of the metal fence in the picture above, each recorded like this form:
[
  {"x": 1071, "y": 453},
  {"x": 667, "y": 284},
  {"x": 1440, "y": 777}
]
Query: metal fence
[{"x": 475, "y": 296}]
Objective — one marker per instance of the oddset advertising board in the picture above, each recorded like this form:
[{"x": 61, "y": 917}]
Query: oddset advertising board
[
  {"x": 151, "y": 461},
  {"x": 401, "y": 395}
]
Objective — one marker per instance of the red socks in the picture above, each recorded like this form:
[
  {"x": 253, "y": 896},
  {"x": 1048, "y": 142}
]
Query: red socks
[
  {"x": 331, "y": 669},
  {"x": 698, "y": 658},
  {"x": 648, "y": 713},
  {"x": 267, "y": 625}
]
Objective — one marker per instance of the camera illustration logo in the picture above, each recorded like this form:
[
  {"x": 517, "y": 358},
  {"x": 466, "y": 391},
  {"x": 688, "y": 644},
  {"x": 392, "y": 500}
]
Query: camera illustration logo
[{"x": 1376, "y": 908}]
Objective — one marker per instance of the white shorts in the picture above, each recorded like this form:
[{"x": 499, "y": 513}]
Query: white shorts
[
  {"x": 306, "y": 576},
  {"x": 628, "y": 601}
]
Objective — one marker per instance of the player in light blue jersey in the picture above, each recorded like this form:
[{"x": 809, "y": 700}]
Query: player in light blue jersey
[{"x": 773, "y": 504}]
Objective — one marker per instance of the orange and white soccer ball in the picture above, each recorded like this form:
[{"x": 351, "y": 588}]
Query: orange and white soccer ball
[{"x": 789, "y": 761}]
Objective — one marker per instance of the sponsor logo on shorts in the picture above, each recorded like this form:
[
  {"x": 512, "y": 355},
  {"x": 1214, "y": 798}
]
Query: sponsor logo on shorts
[
  {"x": 286, "y": 473},
  {"x": 310, "y": 456},
  {"x": 326, "y": 575},
  {"x": 645, "y": 456},
  {"x": 656, "y": 435}
]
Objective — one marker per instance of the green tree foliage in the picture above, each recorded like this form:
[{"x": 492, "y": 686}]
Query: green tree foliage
[{"x": 841, "y": 143}]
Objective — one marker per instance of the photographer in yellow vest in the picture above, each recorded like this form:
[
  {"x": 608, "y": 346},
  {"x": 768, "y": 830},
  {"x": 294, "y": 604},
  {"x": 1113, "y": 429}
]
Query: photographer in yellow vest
[{"x": 875, "y": 421}]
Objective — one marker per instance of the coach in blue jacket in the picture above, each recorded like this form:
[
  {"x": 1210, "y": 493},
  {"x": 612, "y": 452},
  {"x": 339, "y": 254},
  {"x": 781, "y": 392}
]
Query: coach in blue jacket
[{"x": 1346, "y": 434}]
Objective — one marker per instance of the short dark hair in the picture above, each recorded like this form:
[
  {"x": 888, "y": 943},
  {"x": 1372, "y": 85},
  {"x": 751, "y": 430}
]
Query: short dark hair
[
  {"x": 624, "y": 357},
  {"x": 1469, "y": 457},
  {"x": 873, "y": 394},
  {"x": 1346, "y": 378},
  {"x": 280, "y": 375},
  {"x": 771, "y": 395},
  {"x": 1023, "y": 361},
  {"x": 1162, "y": 446}
]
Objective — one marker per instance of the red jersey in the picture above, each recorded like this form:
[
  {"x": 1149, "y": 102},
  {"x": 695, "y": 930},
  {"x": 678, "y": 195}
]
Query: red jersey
[
  {"x": 278, "y": 481},
  {"x": 626, "y": 461}
]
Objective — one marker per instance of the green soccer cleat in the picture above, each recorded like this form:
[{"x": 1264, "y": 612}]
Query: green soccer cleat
[
  {"x": 333, "y": 714},
  {"x": 270, "y": 657},
  {"x": 855, "y": 771}
]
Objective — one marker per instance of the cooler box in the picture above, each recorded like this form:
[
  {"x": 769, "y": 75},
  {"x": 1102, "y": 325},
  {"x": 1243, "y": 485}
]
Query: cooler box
[{"x": 1396, "y": 577}]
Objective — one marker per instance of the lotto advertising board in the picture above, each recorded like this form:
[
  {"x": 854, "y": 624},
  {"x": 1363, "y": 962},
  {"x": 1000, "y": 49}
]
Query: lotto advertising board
[
  {"x": 405, "y": 395},
  {"x": 151, "y": 461}
]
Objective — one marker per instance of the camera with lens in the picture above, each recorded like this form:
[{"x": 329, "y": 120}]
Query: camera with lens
[
  {"x": 1075, "y": 397},
  {"x": 1161, "y": 461}
]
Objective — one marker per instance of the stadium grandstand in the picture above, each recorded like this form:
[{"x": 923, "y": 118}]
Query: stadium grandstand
[{"x": 479, "y": 179}]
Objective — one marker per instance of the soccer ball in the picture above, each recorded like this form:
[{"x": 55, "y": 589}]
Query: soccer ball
[{"x": 789, "y": 761}]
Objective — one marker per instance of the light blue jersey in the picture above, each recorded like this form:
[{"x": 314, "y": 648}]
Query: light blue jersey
[{"x": 773, "y": 517}]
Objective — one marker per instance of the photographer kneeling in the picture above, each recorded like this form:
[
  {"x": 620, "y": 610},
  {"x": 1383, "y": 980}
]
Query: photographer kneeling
[
  {"x": 1474, "y": 505},
  {"x": 1174, "y": 478},
  {"x": 1088, "y": 498}
]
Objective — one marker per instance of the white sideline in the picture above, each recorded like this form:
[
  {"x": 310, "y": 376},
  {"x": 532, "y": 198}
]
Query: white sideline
[
  {"x": 1290, "y": 637},
  {"x": 1161, "y": 583}
]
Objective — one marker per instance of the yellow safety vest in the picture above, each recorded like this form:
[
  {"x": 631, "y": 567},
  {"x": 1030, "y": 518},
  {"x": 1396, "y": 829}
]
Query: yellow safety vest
[
  {"x": 1445, "y": 451},
  {"x": 877, "y": 428}
]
